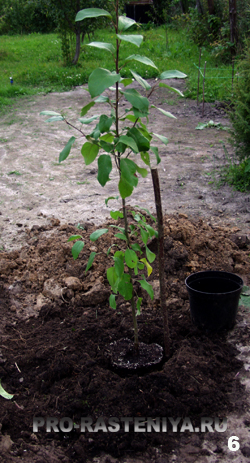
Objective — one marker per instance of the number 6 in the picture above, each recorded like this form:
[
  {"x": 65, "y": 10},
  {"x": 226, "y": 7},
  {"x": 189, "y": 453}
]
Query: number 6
[{"x": 233, "y": 445}]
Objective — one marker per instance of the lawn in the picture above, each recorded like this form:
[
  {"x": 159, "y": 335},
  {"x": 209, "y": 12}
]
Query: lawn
[{"x": 35, "y": 63}]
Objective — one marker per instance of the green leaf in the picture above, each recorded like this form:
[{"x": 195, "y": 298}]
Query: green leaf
[
  {"x": 150, "y": 255},
  {"x": 76, "y": 249},
  {"x": 108, "y": 147},
  {"x": 108, "y": 137},
  {"x": 162, "y": 138},
  {"x": 104, "y": 168},
  {"x": 116, "y": 214},
  {"x": 125, "y": 287},
  {"x": 140, "y": 80},
  {"x": 142, "y": 59},
  {"x": 166, "y": 113},
  {"x": 128, "y": 170},
  {"x": 145, "y": 285},
  {"x": 55, "y": 118},
  {"x": 103, "y": 45},
  {"x": 86, "y": 108},
  {"x": 121, "y": 236},
  {"x": 90, "y": 261},
  {"x": 109, "y": 198},
  {"x": 102, "y": 99},
  {"x": 89, "y": 152},
  {"x": 129, "y": 141},
  {"x": 49, "y": 113},
  {"x": 147, "y": 211},
  {"x": 105, "y": 123},
  {"x": 145, "y": 157},
  {"x": 119, "y": 266},
  {"x": 101, "y": 79},
  {"x": 122, "y": 229},
  {"x": 144, "y": 235},
  {"x": 172, "y": 75},
  {"x": 138, "y": 101},
  {"x": 91, "y": 13},
  {"x": 152, "y": 232},
  {"x": 136, "y": 247},
  {"x": 130, "y": 118},
  {"x": 138, "y": 305},
  {"x": 112, "y": 301},
  {"x": 66, "y": 150},
  {"x": 138, "y": 113},
  {"x": 87, "y": 120},
  {"x": 156, "y": 153},
  {"x": 74, "y": 237},
  {"x": 96, "y": 234},
  {"x": 141, "y": 171},
  {"x": 149, "y": 268},
  {"x": 5, "y": 394},
  {"x": 134, "y": 39},
  {"x": 131, "y": 258},
  {"x": 125, "y": 188},
  {"x": 112, "y": 278},
  {"x": 141, "y": 141},
  {"x": 161, "y": 84},
  {"x": 126, "y": 81},
  {"x": 124, "y": 23}
]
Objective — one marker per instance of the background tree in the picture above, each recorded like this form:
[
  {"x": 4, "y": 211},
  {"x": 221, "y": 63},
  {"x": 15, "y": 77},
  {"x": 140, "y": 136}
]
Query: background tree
[{"x": 64, "y": 13}]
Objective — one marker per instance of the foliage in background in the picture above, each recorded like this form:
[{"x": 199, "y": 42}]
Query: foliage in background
[
  {"x": 240, "y": 116},
  {"x": 25, "y": 17},
  {"x": 213, "y": 30},
  {"x": 237, "y": 170}
]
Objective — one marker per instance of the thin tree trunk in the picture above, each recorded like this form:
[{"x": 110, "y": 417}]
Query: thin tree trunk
[
  {"x": 232, "y": 21},
  {"x": 78, "y": 45}
]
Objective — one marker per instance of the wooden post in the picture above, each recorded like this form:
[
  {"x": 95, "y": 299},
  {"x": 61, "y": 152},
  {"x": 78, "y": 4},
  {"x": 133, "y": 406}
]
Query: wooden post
[
  {"x": 203, "y": 102},
  {"x": 164, "y": 309}
]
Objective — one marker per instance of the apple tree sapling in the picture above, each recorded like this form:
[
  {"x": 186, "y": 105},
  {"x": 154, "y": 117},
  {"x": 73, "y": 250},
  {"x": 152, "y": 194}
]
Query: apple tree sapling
[{"x": 121, "y": 139}]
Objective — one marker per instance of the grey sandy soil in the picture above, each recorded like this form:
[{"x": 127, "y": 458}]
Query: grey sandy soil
[{"x": 35, "y": 187}]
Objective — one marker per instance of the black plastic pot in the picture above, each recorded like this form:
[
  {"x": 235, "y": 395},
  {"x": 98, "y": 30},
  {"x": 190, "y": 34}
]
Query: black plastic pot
[{"x": 214, "y": 298}]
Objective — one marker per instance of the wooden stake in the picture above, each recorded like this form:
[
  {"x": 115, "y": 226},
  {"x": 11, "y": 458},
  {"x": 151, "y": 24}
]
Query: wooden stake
[{"x": 156, "y": 184}]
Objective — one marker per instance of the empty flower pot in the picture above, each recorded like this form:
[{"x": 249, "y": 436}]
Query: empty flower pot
[{"x": 214, "y": 298}]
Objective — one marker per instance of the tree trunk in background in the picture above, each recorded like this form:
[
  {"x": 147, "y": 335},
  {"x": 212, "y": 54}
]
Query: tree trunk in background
[
  {"x": 78, "y": 44},
  {"x": 199, "y": 7},
  {"x": 210, "y": 5},
  {"x": 232, "y": 21},
  {"x": 184, "y": 6}
]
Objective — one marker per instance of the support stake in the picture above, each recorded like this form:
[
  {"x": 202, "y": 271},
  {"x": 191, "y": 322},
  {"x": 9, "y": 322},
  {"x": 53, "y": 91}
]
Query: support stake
[{"x": 157, "y": 193}]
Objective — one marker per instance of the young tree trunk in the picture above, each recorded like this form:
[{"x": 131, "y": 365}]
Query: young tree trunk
[
  {"x": 232, "y": 21},
  {"x": 78, "y": 45}
]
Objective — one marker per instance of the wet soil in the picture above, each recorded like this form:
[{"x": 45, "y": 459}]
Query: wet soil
[{"x": 56, "y": 325}]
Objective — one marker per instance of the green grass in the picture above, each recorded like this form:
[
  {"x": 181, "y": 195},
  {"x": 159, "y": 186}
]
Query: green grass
[{"x": 35, "y": 63}]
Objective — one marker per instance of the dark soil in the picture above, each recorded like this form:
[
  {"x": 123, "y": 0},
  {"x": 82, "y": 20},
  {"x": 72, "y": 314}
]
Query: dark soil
[{"x": 56, "y": 328}]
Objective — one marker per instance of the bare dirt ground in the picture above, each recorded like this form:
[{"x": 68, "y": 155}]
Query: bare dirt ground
[
  {"x": 56, "y": 324},
  {"x": 34, "y": 186}
]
